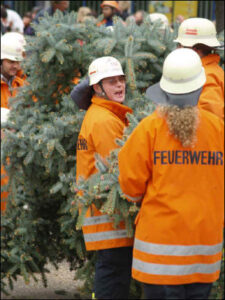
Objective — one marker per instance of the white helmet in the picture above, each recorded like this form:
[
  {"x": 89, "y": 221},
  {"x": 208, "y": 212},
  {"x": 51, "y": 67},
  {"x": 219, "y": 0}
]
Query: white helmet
[
  {"x": 159, "y": 17},
  {"x": 11, "y": 49},
  {"x": 182, "y": 72},
  {"x": 17, "y": 37},
  {"x": 4, "y": 114},
  {"x": 197, "y": 31},
  {"x": 104, "y": 67},
  {"x": 182, "y": 80}
]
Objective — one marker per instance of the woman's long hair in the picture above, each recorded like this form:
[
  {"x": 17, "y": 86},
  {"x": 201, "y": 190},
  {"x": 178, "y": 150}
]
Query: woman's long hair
[{"x": 182, "y": 122}]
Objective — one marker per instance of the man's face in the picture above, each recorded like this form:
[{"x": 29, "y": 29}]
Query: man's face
[
  {"x": 107, "y": 11},
  {"x": 62, "y": 5},
  {"x": 26, "y": 21},
  {"x": 9, "y": 68},
  {"x": 138, "y": 18}
]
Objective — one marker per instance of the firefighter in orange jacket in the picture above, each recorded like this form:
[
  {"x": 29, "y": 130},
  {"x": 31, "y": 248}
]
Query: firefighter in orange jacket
[
  {"x": 4, "y": 177},
  {"x": 103, "y": 123},
  {"x": 11, "y": 56},
  {"x": 172, "y": 165},
  {"x": 109, "y": 10},
  {"x": 200, "y": 35}
]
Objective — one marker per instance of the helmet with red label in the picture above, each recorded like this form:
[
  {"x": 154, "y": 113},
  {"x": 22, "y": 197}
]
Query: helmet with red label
[
  {"x": 104, "y": 67},
  {"x": 197, "y": 31}
]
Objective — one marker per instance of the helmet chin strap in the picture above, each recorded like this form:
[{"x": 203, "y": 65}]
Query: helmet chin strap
[{"x": 103, "y": 93}]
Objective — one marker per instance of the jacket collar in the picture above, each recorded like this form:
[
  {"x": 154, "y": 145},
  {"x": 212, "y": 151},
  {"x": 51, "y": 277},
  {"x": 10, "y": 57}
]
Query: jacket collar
[
  {"x": 5, "y": 80},
  {"x": 118, "y": 109},
  {"x": 14, "y": 81},
  {"x": 209, "y": 59}
]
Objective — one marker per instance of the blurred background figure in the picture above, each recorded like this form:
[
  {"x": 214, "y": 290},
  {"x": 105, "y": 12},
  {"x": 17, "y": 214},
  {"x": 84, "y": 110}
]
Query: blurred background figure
[
  {"x": 155, "y": 17},
  {"x": 35, "y": 10},
  {"x": 3, "y": 16},
  {"x": 83, "y": 14},
  {"x": 11, "y": 20},
  {"x": 124, "y": 7},
  {"x": 180, "y": 19},
  {"x": 27, "y": 19},
  {"x": 109, "y": 10},
  {"x": 60, "y": 5},
  {"x": 139, "y": 17}
]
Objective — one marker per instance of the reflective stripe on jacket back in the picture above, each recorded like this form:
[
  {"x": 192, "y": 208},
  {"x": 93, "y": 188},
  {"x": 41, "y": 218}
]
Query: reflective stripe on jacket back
[{"x": 179, "y": 229}]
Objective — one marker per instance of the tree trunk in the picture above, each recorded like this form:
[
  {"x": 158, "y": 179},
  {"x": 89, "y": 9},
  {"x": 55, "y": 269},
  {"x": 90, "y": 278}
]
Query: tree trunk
[{"x": 219, "y": 16}]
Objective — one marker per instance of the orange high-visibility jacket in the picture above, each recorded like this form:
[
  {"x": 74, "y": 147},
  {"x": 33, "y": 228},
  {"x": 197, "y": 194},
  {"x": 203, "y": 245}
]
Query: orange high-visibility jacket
[
  {"x": 4, "y": 195},
  {"x": 6, "y": 93},
  {"x": 179, "y": 228},
  {"x": 103, "y": 123},
  {"x": 103, "y": 22},
  {"x": 212, "y": 96}
]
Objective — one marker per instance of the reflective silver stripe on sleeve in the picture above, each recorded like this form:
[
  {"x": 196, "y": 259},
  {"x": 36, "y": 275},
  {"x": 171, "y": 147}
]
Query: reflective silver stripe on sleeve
[
  {"x": 134, "y": 199},
  {"x": 159, "y": 269},
  {"x": 97, "y": 220},
  {"x": 106, "y": 235},
  {"x": 175, "y": 250}
]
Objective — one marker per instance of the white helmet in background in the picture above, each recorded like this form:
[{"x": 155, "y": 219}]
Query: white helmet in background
[
  {"x": 4, "y": 114},
  {"x": 197, "y": 31},
  {"x": 159, "y": 17},
  {"x": 182, "y": 72},
  {"x": 104, "y": 67},
  {"x": 11, "y": 48}
]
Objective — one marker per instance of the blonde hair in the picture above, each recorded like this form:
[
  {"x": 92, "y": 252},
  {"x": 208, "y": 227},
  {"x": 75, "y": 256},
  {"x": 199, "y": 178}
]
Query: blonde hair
[
  {"x": 124, "y": 5},
  {"x": 83, "y": 13},
  {"x": 182, "y": 122}
]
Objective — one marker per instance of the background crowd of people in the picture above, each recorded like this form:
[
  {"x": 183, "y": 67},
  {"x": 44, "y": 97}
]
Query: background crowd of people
[{"x": 11, "y": 21}]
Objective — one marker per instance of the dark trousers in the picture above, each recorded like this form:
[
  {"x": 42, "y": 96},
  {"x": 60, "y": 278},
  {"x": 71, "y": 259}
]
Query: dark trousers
[
  {"x": 113, "y": 273},
  {"x": 185, "y": 291}
]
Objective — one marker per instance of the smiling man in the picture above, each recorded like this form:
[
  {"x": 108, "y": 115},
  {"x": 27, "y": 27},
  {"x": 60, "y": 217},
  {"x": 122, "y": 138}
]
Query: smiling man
[{"x": 11, "y": 56}]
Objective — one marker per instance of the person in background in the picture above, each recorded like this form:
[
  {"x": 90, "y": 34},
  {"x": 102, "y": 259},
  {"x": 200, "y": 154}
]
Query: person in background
[
  {"x": 103, "y": 123},
  {"x": 11, "y": 56},
  {"x": 156, "y": 17},
  {"x": 3, "y": 16},
  {"x": 109, "y": 10},
  {"x": 35, "y": 10},
  {"x": 27, "y": 19},
  {"x": 63, "y": 6},
  {"x": 172, "y": 165},
  {"x": 11, "y": 20},
  {"x": 139, "y": 17},
  {"x": 84, "y": 13},
  {"x": 4, "y": 177},
  {"x": 180, "y": 19},
  {"x": 200, "y": 35},
  {"x": 124, "y": 6}
]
